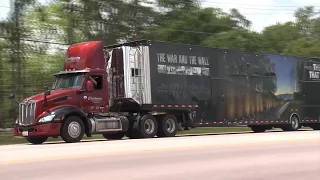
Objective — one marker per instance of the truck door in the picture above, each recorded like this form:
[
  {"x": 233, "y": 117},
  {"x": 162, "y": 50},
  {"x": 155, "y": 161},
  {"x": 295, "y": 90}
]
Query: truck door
[
  {"x": 117, "y": 74},
  {"x": 96, "y": 101}
]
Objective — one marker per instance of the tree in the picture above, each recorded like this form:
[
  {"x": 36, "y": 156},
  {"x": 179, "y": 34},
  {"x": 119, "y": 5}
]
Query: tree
[
  {"x": 194, "y": 27},
  {"x": 303, "y": 47},
  {"x": 238, "y": 39}
]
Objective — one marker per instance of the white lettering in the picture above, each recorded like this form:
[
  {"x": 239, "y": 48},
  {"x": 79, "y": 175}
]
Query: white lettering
[
  {"x": 203, "y": 61},
  {"x": 183, "y": 59},
  {"x": 313, "y": 75},
  {"x": 172, "y": 58},
  {"x": 316, "y": 67},
  {"x": 193, "y": 60},
  {"x": 161, "y": 57},
  {"x": 71, "y": 59}
]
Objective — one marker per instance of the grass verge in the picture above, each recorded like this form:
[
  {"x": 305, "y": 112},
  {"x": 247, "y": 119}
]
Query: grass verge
[{"x": 8, "y": 138}]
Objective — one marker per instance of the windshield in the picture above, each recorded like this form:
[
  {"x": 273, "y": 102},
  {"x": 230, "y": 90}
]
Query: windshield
[{"x": 64, "y": 81}]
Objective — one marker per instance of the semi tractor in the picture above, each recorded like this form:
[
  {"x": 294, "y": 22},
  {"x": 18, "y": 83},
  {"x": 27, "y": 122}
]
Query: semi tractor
[{"x": 144, "y": 89}]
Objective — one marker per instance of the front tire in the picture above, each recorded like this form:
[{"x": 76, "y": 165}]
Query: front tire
[
  {"x": 36, "y": 140},
  {"x": 72, "y": 130}
]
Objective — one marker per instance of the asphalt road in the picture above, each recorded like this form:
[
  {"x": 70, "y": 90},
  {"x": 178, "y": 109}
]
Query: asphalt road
[{"x": 265, "y": 156}]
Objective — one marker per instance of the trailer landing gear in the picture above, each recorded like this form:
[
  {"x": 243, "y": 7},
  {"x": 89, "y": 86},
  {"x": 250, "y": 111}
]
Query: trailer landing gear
[
  {"x": 315, "y": 126},
  {"x": 258, "y": 129}
]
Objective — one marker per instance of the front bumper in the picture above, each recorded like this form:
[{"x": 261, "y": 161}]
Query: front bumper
[{"x": 48, "y": 129}]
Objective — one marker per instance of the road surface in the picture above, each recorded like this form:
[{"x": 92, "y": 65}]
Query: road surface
[{"x": 264, "y": 156}]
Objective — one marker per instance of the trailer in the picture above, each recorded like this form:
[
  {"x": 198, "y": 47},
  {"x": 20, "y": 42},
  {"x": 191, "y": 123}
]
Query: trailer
[{"x": 144, "y": 89}]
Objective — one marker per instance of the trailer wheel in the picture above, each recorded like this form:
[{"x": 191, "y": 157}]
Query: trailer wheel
[
  {"x": 36, "y": 140},
  {"x": 168, "y": 126},
  {"x": 294, "y": 124},
  {"x": 72, "y": 129},
  {"x": 258, "y": 129},
  {"x": 114, "y": 136}
]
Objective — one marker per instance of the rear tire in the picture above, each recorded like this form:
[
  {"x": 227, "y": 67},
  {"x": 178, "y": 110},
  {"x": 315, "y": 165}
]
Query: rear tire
[
  {"x": 36, "y": 140},
  {"x": 168, "y": 126},
  {"x": 258, "y": 129},
  {"x": 114, "y": 136},
  {"x": 147, "y": 128},
  {"x": 294, "y": 124},
  {"x": 72, "y": 129}
]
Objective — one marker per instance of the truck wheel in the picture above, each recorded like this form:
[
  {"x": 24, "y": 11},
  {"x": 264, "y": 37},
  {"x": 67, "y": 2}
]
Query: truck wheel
[
  {"x": 258, "y": 129},
  {"x": 72, "y": 129},
  {"x": 148, "y": 126},
  {"x": 36, "y": 140},
  {"x": 114, "y": 136},
  {"x": 168, "y": 126},
  {"x": 294, "y": 124}
]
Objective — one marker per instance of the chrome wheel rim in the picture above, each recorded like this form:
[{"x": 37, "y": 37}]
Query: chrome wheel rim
[
  {"x": 170, "y": 125},
  {"x": 294, "y": 122},
  {"x": 74, "y": 129},
  {"x": 149, "y": 126}
]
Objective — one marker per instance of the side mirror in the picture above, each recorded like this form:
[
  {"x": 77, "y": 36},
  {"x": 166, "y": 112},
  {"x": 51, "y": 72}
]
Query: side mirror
[
  {"x": 11, "y": 96},
  {"x": 90, "y": 86},
  {"x": 47, "y": 92}
]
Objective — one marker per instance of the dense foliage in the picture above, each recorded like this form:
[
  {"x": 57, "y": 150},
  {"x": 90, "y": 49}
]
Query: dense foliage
[{"x": 34, "y": 35}]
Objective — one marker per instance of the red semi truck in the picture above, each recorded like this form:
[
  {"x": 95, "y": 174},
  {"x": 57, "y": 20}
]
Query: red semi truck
[{"x": 144, "y": 89}]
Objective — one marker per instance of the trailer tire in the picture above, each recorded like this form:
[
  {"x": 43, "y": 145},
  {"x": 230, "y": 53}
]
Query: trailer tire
[
  {"x": 258, "y": 129},
  {"x": 294, "y": 124},
  {"x": 72, "y": 129},
  {"x": 36, "y": 140},
  {"x": 114, "y": 136},
  {"x": 164, "y": 122}
]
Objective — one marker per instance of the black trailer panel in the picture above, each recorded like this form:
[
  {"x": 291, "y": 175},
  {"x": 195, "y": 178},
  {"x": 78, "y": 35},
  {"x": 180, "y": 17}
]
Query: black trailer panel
[
  {"x": 177, "y": 77},
  {"x": 235, "y": 87}
]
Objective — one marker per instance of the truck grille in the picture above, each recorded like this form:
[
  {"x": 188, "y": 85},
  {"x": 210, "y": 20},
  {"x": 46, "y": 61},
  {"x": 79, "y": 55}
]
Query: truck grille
[{"x": 27, "y": 113}]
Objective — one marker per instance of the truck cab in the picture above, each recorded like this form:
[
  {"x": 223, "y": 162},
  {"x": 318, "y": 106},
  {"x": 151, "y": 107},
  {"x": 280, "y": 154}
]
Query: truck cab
[{"x": 79, "y": 90}]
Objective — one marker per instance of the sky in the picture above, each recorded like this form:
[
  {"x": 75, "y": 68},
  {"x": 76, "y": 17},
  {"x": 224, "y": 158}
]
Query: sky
[{"x": 261, "y": 13}]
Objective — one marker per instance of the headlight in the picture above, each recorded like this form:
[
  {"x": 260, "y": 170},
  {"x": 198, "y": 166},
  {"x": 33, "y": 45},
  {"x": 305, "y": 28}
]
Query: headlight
[
  {"x": 47, "y": 118},
  {"x": 17, "y": 121}
]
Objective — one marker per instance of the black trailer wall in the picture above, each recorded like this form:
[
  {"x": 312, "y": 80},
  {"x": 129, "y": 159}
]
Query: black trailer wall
[
  {"x": 234, "y": 85},
  {"x": 181, "y": 74}
]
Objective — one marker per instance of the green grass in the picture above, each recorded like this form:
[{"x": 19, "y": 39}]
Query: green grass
[{"x": 8, "y": 138}]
